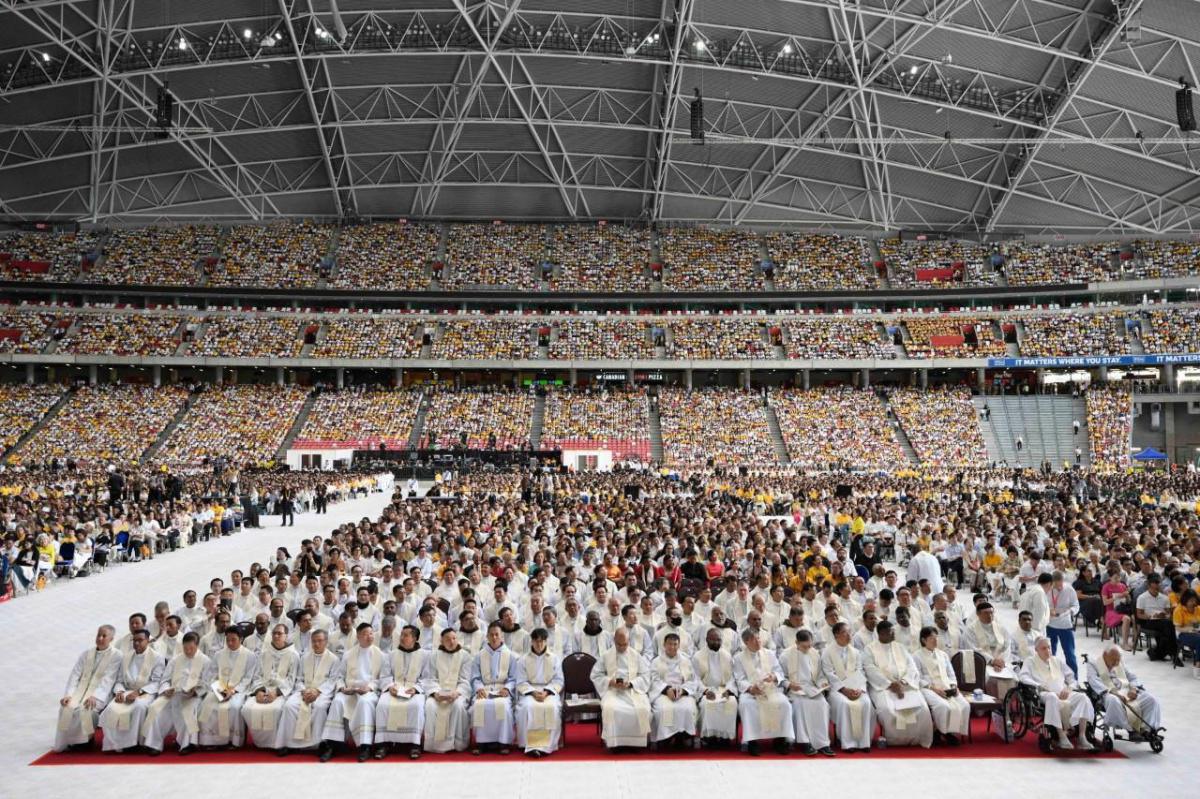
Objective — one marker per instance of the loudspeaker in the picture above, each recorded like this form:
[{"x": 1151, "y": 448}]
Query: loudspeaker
[
  {"x": 164, "y": 111},
  {"x": 1183, "y": 109},
  {"x": 697, "y": 118}
]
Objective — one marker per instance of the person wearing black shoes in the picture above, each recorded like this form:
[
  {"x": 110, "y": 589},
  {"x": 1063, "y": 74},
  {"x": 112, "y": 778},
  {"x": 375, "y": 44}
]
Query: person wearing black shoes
[{"x": 807, "y": 689}]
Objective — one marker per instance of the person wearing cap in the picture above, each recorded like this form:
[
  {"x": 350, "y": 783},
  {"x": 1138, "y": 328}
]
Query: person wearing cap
[
  {"x": 400, "y": 713},
  {"x": 277, "y": 668},
  {"x": 673, "y": 691},
  {"x": 447, "y": 686},
  {"x": 138, "y": 678},
  {"x": 807, "y": 690},
  {"x": 352, "y": 711},
  {"x": 762, "y": 705},
  {"x": 231, "y": 672},
  {"x": 539, "y": 680}
]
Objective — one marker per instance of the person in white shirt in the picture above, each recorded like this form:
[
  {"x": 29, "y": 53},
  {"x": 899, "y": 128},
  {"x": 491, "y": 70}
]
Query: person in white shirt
[
  {"x": 1060, "y": 627},
  {"x": 1036, "y": 601},
  {"x": 925, "y": 566}
]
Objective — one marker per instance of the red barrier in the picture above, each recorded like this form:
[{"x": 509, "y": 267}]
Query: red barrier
[{"x": 938, "y": 273}]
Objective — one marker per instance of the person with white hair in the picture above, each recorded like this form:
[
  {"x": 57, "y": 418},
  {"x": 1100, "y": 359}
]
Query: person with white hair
[
  {"x": 1064, "y": 707},
  {"x": 1122, "y": 692},
  {"x": 89, "y": 689}
]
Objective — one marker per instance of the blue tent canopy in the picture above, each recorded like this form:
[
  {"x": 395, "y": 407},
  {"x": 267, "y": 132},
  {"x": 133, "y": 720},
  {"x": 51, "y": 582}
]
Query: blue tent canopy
[{"x": 1150, "y": 454}]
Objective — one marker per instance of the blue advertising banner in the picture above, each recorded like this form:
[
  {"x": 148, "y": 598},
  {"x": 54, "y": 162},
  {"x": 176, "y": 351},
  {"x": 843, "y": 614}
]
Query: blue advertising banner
[{"x": 1091, "y": 360}]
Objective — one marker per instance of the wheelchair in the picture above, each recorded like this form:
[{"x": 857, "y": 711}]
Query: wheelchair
[
  {"x": 1153, "y": 737},
  {"x": 1025, "y": 713}
]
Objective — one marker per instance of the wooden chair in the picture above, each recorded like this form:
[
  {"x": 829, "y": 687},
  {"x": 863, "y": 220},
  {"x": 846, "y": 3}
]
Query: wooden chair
[
  {"x": 982, "y": 707},
  {"x": 579, "y": 695}
]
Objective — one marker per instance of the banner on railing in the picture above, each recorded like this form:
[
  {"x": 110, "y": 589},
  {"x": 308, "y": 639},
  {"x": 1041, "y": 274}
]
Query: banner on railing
[{"x": 1091, "y": 360}]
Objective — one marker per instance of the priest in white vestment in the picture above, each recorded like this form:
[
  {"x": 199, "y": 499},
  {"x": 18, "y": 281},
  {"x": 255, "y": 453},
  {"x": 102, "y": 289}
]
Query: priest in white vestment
[
  {"x": 364, "y": 670},
  {"x": 622, "y": 680},
  {"x": 177, "y": 706},
  {"x": 305, "y": 711},
  {"x": 593, "y": 639},
  {"x": 762, "y": 704},
  {"x": 539, "y": 686},
  {"x": 950, "y": 709},
  {"x": 1064, "y": 707},
  {"x": 895, "y": 686},
  {"x": 808, "y": 691},
  {"x": 136, "y": 688},
  {"x": 400, "y": 714},
  {"x": 1127, "y": 704},
  {"x": 849, "y": 703},
  {"x": 89, "y": 689},
  {"x": 493, "y": 684},
  {"x": 718, "y": 704},
  {"x": 560, "y": 638},
  {"x": 988, "y": 637},
  {"x": 278, "y": 663},
  {"x": 447, "y": 686},
  {"x": 673, "y": 692},
  {"x": 230, "y": 674}
]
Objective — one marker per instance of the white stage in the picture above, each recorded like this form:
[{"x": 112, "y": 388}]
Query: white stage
[{"x": 43, "y": 634}]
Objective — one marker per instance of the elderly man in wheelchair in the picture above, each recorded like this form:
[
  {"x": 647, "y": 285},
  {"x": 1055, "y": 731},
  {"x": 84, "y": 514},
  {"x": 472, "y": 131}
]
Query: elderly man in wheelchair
[
  {"x": 1064, "y": 709},
  {"x": 1120, "y": 695}
]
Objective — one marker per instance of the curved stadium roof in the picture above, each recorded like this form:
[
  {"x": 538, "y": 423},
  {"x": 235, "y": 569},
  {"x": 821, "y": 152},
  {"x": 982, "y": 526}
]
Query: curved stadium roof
[{"x": 579, "y": 109}]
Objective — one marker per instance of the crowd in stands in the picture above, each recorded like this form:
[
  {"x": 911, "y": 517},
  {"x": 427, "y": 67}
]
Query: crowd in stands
[
  {"x": 904, "y": 258},
  {"x": 725, "y": 426},
  {"x": 1110, "y": 426},
  {"x": 942, "y": 426},
  {"x": 595, "y": 258},
  {"x": 944, "y": 337},
  {"x": 1073, "y": 333},
  {"x": 282, "y": 255},
  {"x": 488, "y": 339},
  {"x": 244, "y": 424},
  {"x": 155, "y": 256},
  {"x": 362, "y": 336},
  {"x": 1171, "y": 330},
  {"x": 104, "y": 424},
  {"x": 595, "y": 339},
  {"x": 718, "y": 338},
  {"x": 386, "y": 256},
  {"x": 615, "y": 419},
  {"x": 21, "y": 407},
  {"x": 820, "y": 262},
  {"x": 1033, "y": 264},
  {"x": 493, "y": 418},
  {"x": 502, "y": 256},
  {"x": 1159, "y": 259},
  {"x": 125, "y": 335},
  {"x": 62, "y": 252},
  {"x": 838, "y": 426},
  {"x": 27, "y": 330},
  {"x": 249, "y": 336},
  {"x": 701, "y": 259},
  {"x": 834, "y": 339},
  {"x": 367, "y": 416}
]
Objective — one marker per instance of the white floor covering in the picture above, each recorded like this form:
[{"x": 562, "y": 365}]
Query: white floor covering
[{"x": 43, "y": 634}]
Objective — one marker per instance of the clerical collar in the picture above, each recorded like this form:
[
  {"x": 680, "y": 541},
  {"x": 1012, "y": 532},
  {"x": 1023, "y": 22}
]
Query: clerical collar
[{"x": 279, "y": 648}]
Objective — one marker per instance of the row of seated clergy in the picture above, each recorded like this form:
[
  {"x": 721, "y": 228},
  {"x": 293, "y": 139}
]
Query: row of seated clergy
[{"x": 442, "y": 699}]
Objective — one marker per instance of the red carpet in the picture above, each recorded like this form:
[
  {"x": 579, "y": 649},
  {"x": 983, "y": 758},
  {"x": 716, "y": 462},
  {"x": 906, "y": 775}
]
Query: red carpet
[{"x": 583, "y": 743}]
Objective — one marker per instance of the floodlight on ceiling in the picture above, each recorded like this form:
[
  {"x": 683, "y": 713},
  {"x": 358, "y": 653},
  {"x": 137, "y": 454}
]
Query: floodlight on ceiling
[{"x": 247, "y": 34}]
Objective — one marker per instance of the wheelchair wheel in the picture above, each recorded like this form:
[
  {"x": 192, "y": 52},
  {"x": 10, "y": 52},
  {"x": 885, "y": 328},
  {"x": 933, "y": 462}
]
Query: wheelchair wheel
[
  {"x": 1156, "y": 745},
  {"x": 1016, "y": 713},
  {"x": 1045, "y": 744},
  {"x": 1106, "y": 745}
]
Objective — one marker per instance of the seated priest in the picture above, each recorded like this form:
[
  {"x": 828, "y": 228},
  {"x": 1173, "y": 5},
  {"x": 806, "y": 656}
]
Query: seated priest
[
  {"x": 1064, "y": 707},
  {"x": 621, "y": 677},
  {"x": 539, "y": 686},
  {"x": 762, "y": 704},
  {"x": 896, "y": 695},
  {"x": 1127, "y": 704},
  {"x": 673, "y": 692}
]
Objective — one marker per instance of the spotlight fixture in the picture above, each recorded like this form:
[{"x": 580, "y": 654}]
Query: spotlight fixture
[
  {"x": 46, "y": 57},
  {"x": 247, "y": 34},
  {"x": 1184, "y": 112}
]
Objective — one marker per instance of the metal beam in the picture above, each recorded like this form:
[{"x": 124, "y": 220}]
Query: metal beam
[
  {"x": 1068, "y": 93},
  {"x": 670, "y": 92},
  {"x": 286, "y": 9}
]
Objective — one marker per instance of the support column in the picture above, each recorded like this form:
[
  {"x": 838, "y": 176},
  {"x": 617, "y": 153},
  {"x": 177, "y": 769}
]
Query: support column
[
  {"x": 341, "y": 377},
  {"x": 806, "y": 378},
  {"x": 1103, "y": 374},
  {"x": 1169, "y": 429},
  {"x": 30, "y": 373},
  {"x": 924, "y": 378},
  {"x": 687, "y": 378},
  {"x": 865, "y": 380},
  {"x": 981, "y": 379},
  {"x": 93, "y": 374},
  {"x": 746, "y": 378},
  {"x": 574, "y": 378},
  {"x": 156, "y": 373},
  {"x": 399, "y": 377},
  {"x": 1041, "y": 378},
  {"x": 279, "y": 376},
  {"x": 219, "y": 375},
  {"x": 1167, "y": 377}
]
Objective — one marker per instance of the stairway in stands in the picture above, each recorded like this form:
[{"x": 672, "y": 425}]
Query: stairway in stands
[
  {"x": 41, "y": 423},
  {"x": 539, "y": 421},
  {"x": 414, "y": 438},
  {"x": 876, "y": 255},
  {"x": 781, "y": 451},
  {"x": 656, "y": 442},
  {"x": 297, "y": 426},
  {"x": 1044, "y": 424},
  {"x": 154, "y": 448}
]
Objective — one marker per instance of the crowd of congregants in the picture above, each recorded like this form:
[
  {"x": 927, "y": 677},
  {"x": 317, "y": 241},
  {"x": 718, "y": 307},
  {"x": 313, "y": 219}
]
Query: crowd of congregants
[{"x": 712, "y": 609}]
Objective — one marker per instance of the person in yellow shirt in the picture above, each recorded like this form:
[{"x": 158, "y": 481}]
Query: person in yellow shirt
[
  {"x": 1186, "y": 618},
  {"x": 817, "y": 573}
]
